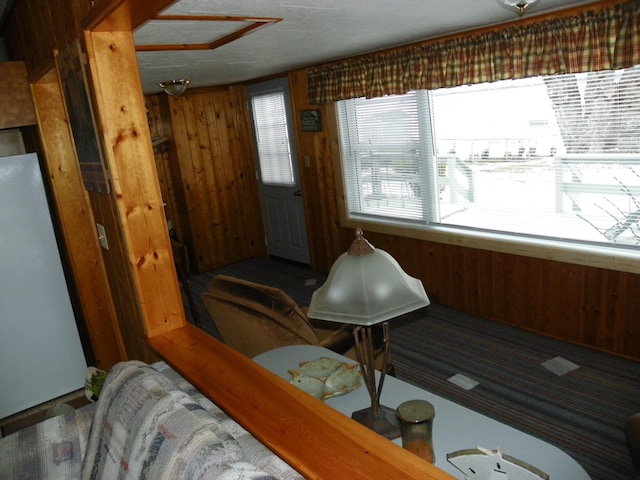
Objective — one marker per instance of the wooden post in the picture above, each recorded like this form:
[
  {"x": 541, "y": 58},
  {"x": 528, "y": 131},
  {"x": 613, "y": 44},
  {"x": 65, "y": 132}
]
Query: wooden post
[{"x": 136, "y": 192}]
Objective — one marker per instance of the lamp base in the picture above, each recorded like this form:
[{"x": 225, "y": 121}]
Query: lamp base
[{"x": 384, "y": 423}]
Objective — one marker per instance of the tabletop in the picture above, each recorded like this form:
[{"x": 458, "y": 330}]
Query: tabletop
[{"x": 454, "y": 427}]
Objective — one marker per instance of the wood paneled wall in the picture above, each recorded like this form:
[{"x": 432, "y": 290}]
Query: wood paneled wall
[
  {"x": 37, "y": 27},
  {"x": 209, "y": 174},
  {"x": 591, "y": 306},
  {"x": 213, "y": 197},
  {"x": 167, "y": 164},
  {"x": 16, "y": 107}
]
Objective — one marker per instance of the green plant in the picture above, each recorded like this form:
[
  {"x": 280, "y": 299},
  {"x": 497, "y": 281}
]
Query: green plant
[{"x": 94, "y": 383}]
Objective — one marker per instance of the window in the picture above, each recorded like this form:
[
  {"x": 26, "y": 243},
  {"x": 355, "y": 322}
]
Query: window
[
  {"x": 272, "y": 139},
  {"x": 555, "y": 157}
]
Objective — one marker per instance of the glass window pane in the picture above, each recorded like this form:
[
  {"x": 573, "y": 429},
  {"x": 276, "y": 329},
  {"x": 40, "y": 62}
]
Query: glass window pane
[
  {"x": 545, "y": 157},
  {"x": 382, "y": 152},
  {"x": 272, "y": 139}
]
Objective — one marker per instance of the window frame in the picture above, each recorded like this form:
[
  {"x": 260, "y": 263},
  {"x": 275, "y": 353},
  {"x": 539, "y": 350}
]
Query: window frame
[{"x": 619, "y": 258}]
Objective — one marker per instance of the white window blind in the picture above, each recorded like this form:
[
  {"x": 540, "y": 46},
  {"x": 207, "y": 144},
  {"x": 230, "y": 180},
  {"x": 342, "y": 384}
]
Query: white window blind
[
  {"x": 384, "y": 156},
  {"x": 554, "y": 157},
  {"x": 272, "y": 139}
]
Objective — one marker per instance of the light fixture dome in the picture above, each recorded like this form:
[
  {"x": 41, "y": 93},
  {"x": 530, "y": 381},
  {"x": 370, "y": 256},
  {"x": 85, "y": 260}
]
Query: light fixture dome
[
  {"x": 175, "y": 88},
  {"x": 520, "y": 5}
]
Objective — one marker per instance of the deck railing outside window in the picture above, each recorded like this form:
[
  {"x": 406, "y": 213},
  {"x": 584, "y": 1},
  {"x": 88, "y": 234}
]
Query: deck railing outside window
[{"x": 547, "y": 157}]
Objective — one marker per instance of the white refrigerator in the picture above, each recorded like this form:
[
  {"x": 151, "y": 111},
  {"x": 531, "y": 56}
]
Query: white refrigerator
[{"x": 41, "y": 355}]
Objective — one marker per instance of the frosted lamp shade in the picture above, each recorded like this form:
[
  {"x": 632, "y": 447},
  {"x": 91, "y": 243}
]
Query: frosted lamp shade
[{"x": 365, "y": 290}]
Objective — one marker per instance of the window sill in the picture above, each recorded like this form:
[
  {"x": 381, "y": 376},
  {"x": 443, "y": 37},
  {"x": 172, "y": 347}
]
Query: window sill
[{"x": 611, "y": 258}]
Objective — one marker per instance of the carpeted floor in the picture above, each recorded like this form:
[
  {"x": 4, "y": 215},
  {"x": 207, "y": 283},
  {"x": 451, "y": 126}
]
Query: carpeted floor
[{"x": 581, "y": 411}]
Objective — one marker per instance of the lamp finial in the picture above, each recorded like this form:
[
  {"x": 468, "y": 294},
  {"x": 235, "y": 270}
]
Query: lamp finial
[{"x": 360, "y": 246}]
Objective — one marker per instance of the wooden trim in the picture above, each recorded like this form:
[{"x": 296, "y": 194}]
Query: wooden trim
[
  {"x": 122, "y": 15},
  {"x": 312, "y": 437},
  {"x": 257, "y": 23},
  {"x": 622, "y": 260},
  {"x": 216, "y": 18}
]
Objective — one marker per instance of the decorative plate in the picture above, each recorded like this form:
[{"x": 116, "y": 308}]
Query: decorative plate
[
  {"x": 325, "y": 377},
  {"x": 319, "y": 368}
]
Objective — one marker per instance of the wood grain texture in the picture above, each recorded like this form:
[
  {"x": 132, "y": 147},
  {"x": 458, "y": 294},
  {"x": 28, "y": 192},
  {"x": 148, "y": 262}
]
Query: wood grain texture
[
  {"x": 77, "y": 224},
  {"x": 313, "y": 438},
  {"x": 215, "y": 177},
  {"x": 16, "y": 106}
]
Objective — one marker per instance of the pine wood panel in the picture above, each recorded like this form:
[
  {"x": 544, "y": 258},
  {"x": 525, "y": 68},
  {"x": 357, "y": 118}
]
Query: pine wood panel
[
  {"x": 77, "y": 223},
  {"x": 121, "y": 281},
  {"x": 166, "y": 160},
  {"x": 37, "y": 27},
  {"x": 16, "y": 107},
  {"x": 216, "y": 177},
  {"x": 326, "y": 240}
]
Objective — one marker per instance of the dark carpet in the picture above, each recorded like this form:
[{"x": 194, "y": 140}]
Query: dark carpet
[{"x": 582, "y": 411}]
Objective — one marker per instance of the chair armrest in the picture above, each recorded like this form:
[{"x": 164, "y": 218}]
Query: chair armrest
[{"x": 339, "y": 340}]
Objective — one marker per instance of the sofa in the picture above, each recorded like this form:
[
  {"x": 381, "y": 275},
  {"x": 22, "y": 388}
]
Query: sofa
[{"x": 148, "y": 423}]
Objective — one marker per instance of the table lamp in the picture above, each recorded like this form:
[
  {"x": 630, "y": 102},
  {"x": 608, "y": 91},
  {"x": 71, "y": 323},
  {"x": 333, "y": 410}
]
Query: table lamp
[{"x": 366, "y": 287}]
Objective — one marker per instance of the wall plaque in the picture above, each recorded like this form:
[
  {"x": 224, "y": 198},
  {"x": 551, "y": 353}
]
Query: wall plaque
[{"x": 311, "y": 120}]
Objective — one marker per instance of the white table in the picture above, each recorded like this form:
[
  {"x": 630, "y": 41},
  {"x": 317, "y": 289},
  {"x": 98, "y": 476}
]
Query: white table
[{"x": 454, "y": 427}]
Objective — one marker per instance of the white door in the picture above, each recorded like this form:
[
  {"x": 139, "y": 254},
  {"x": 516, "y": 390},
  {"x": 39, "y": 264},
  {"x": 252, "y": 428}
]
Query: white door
[{"x": 280, "y": 191}]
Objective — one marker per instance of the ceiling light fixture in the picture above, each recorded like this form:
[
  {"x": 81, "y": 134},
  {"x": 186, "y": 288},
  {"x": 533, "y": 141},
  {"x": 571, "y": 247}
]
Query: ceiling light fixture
[
  {"x": 520, "y": 5},
  {"x": 175, "y": 88}
]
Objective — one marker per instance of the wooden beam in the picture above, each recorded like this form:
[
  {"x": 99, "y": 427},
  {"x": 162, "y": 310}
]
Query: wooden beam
[
  {"x": 122, "y": 15},
  {"x": 312, "y": 437},
  {"x": 216, "y": 18},
  {"x": 16, "y": 107},
  {"x": 77, "y": 223},
  {"x": 136, "y": 191}
]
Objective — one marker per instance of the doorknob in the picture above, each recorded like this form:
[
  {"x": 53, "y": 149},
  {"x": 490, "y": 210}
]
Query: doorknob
[{"x": 297, "y": 193}]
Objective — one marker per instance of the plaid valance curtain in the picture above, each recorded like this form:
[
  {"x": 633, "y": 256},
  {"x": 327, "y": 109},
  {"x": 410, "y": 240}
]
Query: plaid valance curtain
[{"x": 593, "y": 40}]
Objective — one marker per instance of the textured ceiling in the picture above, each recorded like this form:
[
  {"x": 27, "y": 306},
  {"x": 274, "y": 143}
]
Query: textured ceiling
[{"x": 310, "y": 32}]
